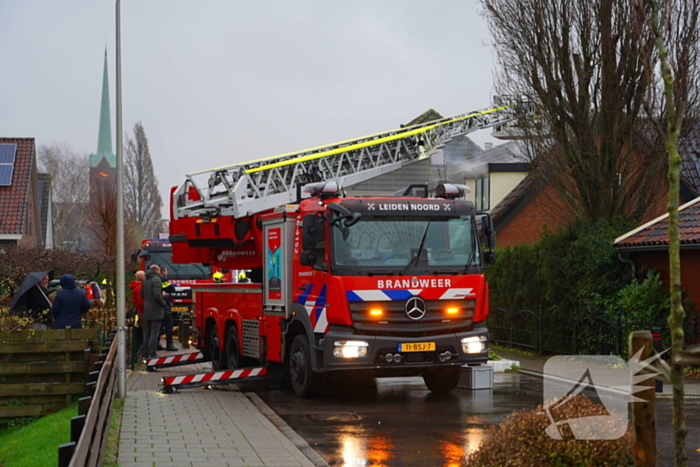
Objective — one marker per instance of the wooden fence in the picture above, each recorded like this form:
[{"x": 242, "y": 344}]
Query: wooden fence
[
  {"x": 89, "y": 430},
  {"x": 42, "y": 371}
]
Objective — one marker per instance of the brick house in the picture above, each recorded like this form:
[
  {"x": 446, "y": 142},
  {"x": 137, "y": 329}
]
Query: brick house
[
  {"x": 533, "y": 207},
  {"x": 647, "y": 247},
  {"x": 20, "y": 212},
  {"x": 529, "y": 209}
]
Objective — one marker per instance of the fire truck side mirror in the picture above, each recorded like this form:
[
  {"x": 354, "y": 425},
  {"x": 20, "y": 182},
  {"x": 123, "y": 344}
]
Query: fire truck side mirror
[
  {"x": 489, "y": 239},
  {"x": 308, "y": 232},
  {"x": 135, "y": 256},
  {"x": 487, "y": 231},
  {"x": 307, "y": 258}
]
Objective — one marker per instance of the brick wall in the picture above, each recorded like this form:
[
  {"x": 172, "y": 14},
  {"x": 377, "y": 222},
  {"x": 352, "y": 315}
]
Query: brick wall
[
  {"x": 544, "y": 210},
  {"x": 547, "y": 210},
  {"x": 690, "y": 271}
]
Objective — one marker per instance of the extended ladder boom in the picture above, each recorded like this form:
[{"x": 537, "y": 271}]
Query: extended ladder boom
[{"x": 241, "y": 190}]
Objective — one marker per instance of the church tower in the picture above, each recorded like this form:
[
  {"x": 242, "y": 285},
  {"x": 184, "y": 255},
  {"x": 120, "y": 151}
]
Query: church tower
[{"x": 103, "y": 164}]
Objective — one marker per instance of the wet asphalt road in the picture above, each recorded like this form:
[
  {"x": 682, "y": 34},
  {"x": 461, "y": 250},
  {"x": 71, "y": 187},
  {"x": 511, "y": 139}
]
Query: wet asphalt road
[{"x": 397, "y": 422}]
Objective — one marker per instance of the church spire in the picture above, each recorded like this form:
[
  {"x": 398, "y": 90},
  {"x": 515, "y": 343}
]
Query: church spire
[{"x": 104, "y": 139}]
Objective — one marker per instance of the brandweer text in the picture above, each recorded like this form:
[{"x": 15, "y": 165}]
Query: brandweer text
[{"x": 409, "y": 284}]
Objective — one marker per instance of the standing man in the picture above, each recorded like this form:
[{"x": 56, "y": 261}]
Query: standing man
[
  {"x": 168, "y": 290},
  {"x": 153, "y": 310}
]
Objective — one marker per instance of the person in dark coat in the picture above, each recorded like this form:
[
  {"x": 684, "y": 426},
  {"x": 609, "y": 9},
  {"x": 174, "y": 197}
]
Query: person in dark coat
[
  {"x": 153, "y": 310},
  {"x": 69, "y": 305}
]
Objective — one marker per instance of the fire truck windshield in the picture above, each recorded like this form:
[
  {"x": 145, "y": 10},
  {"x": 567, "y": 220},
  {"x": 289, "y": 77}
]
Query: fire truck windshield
[
  {"x": 177, "y": 271},
  {"x": 405, "y": 245}
]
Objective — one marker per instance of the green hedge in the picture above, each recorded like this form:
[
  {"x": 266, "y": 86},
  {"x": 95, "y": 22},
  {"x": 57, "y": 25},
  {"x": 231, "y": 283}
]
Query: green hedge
[
  {"x": 569, "y": 276},
  {"x": 575, "y": 271}
]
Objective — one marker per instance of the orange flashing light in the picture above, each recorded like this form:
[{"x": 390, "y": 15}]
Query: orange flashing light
[
  {"x": 376, "y": 312},
  {"x": 452, "y": 310}
]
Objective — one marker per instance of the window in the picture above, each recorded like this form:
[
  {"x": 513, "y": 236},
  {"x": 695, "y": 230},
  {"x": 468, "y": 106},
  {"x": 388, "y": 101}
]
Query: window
[
  {"x": 320, "y": 245},
  {"x": 405, "y": 244},
  {"x": 482, "y": 193}
]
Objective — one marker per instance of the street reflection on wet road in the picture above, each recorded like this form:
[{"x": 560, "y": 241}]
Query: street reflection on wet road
[{"x": 398, "y": 422}]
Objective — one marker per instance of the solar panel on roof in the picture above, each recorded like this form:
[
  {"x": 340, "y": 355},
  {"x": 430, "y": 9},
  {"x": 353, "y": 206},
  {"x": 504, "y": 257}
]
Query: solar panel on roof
[
  {"x": 7, "y": 153},
  {"x": 7, "y": 163},
  {"x": 6, "y": 174}
]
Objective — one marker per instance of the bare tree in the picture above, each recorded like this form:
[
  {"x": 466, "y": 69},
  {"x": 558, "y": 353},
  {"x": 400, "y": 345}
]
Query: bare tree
[
  {"x": 675, "y": 26},
  {"x": 141, "y": 195},
  {"x": 102, "y": 219},
  {"x": 69, "y": 189},
  {"x": 587, "y": 70}
]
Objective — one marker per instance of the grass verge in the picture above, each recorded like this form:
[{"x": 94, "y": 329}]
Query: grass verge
[
  {"x": 497, "y": 347},
  {"x": 115, "y": 426},
  {"x": 36, "y": 444}
]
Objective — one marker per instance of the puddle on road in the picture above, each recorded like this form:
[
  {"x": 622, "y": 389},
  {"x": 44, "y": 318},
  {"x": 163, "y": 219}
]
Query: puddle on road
[{"x": 342, "y": 417}]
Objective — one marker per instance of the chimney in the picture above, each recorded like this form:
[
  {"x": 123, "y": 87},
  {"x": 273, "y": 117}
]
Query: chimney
[{"x": 488, "y": 146}]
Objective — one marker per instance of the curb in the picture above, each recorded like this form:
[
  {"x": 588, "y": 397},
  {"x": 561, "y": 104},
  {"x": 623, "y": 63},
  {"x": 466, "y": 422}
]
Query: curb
[{"x": 286, "y": 430}]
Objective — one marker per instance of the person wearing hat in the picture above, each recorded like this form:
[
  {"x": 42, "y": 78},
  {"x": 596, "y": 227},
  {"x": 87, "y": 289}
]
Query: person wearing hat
[{"x": 69, "y": 305}]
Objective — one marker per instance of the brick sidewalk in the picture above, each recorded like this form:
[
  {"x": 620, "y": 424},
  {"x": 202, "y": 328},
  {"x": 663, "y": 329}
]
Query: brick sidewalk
[{"x": 196, "y": 427}]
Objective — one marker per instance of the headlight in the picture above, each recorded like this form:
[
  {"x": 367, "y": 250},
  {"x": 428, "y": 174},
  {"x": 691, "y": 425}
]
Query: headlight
[
  {"x": 350, "y": 349},
  {"x": 474, "y": 344}
]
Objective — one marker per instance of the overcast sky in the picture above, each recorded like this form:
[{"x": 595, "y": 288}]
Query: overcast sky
[{"x": 216, "y": 82}]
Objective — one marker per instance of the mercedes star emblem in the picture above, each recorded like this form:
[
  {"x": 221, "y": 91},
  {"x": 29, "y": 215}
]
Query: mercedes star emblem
[{"x": 415, "y": 308}]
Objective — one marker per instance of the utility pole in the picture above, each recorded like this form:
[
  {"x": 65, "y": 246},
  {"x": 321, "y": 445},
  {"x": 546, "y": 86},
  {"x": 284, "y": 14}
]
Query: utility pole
[{"x": 121, "y": 309}]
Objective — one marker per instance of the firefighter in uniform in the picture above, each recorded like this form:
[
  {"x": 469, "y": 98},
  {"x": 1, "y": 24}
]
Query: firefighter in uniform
[{"x": 168, "y": 290}]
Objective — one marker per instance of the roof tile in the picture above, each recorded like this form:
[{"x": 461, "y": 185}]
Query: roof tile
[
  {"x": 14, "y": 199},
  {"x": 655, "y": 233}
]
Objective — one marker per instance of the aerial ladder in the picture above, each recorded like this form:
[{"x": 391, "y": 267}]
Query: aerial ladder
[{"x": 248, "y": 188}]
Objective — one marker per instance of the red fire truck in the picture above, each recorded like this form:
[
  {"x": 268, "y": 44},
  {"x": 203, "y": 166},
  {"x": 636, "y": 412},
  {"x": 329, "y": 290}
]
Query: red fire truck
[{"x": 384, "y": 285}]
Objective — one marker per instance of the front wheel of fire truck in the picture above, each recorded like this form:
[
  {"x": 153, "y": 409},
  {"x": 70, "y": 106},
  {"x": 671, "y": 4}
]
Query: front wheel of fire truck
[
  {"x": 214, "y": 354},
  {"x": 442, "y": 380},
  {"x": 304, "y": 381}
]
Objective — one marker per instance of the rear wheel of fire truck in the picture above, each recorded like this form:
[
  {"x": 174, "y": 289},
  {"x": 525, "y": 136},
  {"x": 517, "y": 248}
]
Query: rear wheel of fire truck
[
  {"x": 442, "y": 380},
  {"x": 304, "y": 381},
  {"x": 213, "y": 352},
  {"x": 233, "y": 356}
]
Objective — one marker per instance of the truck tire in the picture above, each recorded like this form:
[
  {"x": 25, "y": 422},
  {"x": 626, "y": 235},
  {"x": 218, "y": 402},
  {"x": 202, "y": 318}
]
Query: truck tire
[
  {"x": 442, "y": 380},
  {"x": 304, "y": 381},
  {"x": 215, "y": 355},
  {"x": 233, "y": 353}
]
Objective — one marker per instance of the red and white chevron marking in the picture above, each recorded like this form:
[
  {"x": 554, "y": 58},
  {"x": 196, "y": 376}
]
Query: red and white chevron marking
[
  {"x": 216, "y": 376},
  {"x": 175, "y": 359}
]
